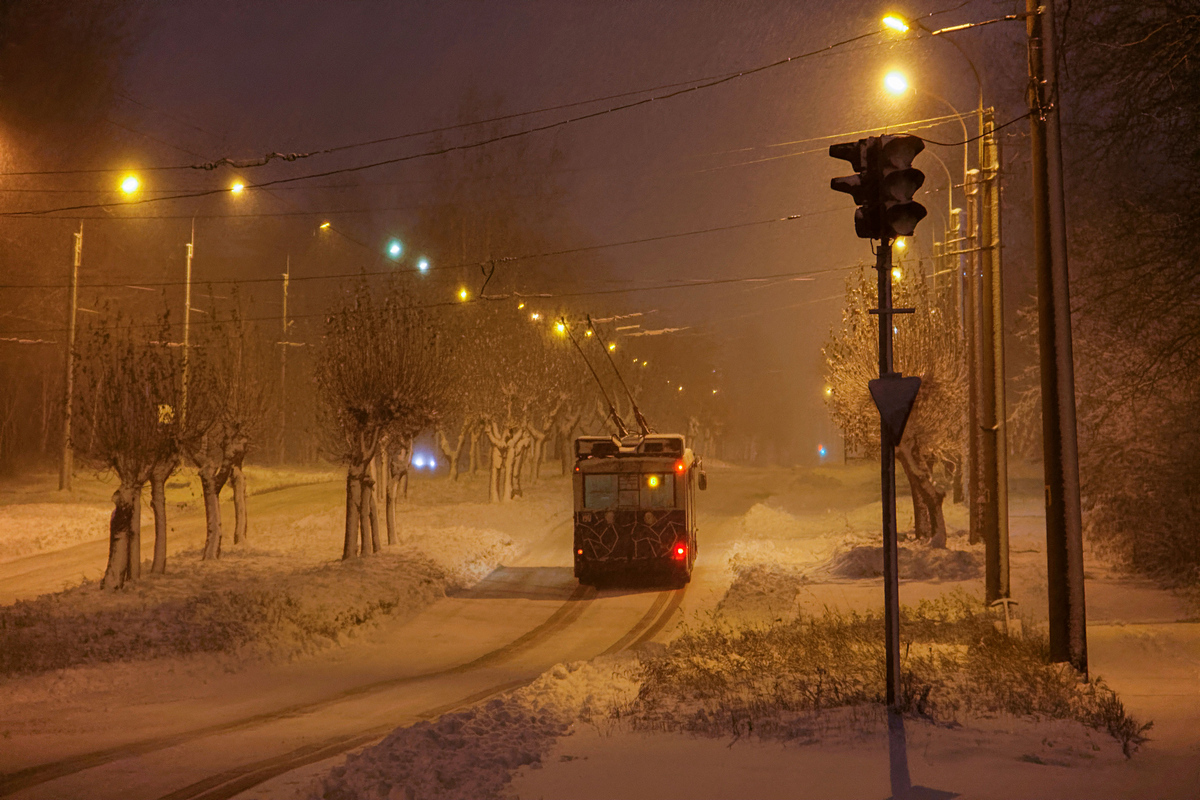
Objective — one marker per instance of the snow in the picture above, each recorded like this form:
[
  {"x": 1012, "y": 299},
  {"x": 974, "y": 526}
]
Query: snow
[
  {"x": 41, "y": 527},
  {"x": 472, "y": 753}
]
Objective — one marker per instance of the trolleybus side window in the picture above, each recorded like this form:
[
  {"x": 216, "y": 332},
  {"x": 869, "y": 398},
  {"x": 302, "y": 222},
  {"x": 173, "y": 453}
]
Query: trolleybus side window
[
  {"x": 658, "y": 490},
  {"x": 599, "y": 491}
]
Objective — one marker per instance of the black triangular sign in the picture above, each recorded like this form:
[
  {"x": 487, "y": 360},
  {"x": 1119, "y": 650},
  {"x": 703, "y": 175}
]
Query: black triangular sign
[{"x": 894, "y": 397}]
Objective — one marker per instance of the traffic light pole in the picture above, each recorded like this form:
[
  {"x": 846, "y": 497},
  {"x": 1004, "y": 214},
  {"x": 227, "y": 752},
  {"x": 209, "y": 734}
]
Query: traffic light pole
[
  {"x": 887, "y": 479},
  {"x": 1064, "y": 525}
]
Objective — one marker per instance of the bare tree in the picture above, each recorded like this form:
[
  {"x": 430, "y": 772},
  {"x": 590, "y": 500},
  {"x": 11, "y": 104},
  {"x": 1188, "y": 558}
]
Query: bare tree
[
  {"x": 380, "y": 372},
  {"x": 924, "y": 346},
  {"x": 226, "y": 406},
  {"x": 130, "y": 385}
]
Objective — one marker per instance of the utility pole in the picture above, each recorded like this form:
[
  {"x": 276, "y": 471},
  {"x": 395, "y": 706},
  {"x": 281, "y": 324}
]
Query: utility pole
[
  {"x": 67, "y": 462},
  {"x": 1064, "y": 525},
  {"x": 187, "y": 324},
  {"x": 283, "y": 348},
  {"x": 993, "y": 412}
]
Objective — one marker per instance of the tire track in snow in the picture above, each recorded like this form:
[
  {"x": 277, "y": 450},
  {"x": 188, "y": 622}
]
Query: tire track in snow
[
  {"x": 233, "y": 782},
  {"x": 565, "y": 615}
]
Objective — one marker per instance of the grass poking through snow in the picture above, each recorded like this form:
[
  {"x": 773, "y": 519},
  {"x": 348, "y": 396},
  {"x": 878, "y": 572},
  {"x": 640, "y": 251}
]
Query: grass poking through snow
[{"x": 722, "y": 679}]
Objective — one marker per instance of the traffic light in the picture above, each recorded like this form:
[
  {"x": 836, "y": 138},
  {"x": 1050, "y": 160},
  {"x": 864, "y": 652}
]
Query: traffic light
[
  {"x": 863, "y": 187},
  {"x": 898, "y": 182},
  {"x": 884, "y": 184}
]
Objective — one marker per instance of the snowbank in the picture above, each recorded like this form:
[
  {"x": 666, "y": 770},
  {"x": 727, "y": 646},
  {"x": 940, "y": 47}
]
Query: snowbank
[
  {"x": 473, "y": 753},
  {"x": 251, "y": 599}
]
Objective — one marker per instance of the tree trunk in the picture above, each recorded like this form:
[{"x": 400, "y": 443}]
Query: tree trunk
[
  {"x": 393, "y": 494},
  {"x": 353, "y": 503},
  {"x": 135, "y": 537},
  {"x": 510, "y": 461},
  {"x": 211, "y": 484},
  {"x": 119, "y": 535},
  {"x": 495, "y": 475},
  {"x": 158, "y": 503},
  {"x": 926, "y": 496},
  {"x": 473, "y": 465},
  {"x": 237, "y": 480},
  {"x": 453, "y": 453},
  {"x": 368, "y": 516}
]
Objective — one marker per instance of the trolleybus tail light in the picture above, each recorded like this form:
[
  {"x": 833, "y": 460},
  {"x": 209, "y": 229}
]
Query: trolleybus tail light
[
  {"x": 680, "y": 466},
  {"x": 680, "y": 552},
  {"x": 579, "y": 552}
]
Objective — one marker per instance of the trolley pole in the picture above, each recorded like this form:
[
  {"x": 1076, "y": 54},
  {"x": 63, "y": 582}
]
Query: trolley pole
[{"x": 67, "y": 463}]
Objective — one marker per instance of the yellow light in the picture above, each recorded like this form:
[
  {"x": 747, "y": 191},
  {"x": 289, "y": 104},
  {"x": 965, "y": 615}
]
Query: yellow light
[
  {"x": 462, "y": 294},
  {"x": 901, "y": 244},
  {"x": 896, "y": 273},
  {"x": 714, "y": 391},
  {"x": 535, "y": 316},
  {"x": 130, "y": 184},
  {"x": 520, "y": 306},
  {"x": 644, "y": 364},
  {"x": 612, "y": 346},
  {"x": 895, "y": 23},
  {"x": 896, "y": 83},
  {"x": 324, "y": 226},
  {"x": 588, "y": 332},
  {"x": 681, "y": 388},
  {"x": 237, "y": 188},
  {"x": 652, "y": 481},
  {"x": 829, "y": 391},
  {"x": 560, "y": 328}
]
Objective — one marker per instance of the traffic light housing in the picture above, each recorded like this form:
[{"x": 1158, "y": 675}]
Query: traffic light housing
[
  {"x": 898, "y": 182},
  {"x": 863, "y": 186},
  {"x": 884, "y": 184}
]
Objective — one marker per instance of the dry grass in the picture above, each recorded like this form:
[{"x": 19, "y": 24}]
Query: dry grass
[{"x": 722, "y": 679}]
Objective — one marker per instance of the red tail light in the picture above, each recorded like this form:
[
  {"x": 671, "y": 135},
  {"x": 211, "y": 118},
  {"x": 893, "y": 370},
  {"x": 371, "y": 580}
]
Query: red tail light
[
  {"x": 680, "y": 466},
  {"x": 680, "y": 552}
]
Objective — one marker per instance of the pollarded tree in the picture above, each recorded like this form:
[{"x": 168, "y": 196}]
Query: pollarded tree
[
  {"x": 925, "y": 345},
  {"x": 226, "y": 406},
  {"x": 128, "y": 393},
  {"x": 380, "y": 371}
]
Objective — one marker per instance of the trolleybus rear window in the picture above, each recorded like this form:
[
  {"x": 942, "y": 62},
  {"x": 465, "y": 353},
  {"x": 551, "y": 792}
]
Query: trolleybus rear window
[
  {"x": 600, "y": 491},
  {"x": 658, "y": 490}
]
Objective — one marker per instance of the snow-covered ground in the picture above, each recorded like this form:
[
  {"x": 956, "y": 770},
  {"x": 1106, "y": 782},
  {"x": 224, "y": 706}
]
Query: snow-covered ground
[{"x": 782, "y": 557}]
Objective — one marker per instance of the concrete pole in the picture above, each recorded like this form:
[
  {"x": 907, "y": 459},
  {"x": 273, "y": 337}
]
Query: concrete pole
[
  {"x": 1064, "y": 524},
  {"x": 283, "y": 348},
  {"x": 67, "y": 462},
  {"x": 187, "y": 324}
]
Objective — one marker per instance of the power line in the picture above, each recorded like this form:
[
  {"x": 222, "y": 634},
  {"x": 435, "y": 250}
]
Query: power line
[
  {"x": 494, "y": 298},
  {"x": 470, "y": 145},
  {"x": 462, "y": 265}
]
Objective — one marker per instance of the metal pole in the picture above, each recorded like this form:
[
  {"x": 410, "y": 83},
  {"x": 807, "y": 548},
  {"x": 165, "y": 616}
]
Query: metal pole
[
  {"x": 1064, "y": 528},
  {"x": 283, "y": 366},
  {"x": 67, "y": 464},
  {"x": 187, "y": 324},
  {"x": 887, "y": 479}
]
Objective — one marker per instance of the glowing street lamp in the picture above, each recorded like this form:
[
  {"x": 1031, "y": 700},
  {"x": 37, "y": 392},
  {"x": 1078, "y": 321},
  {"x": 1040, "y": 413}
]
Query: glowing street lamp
[
  {"x": 535, "y": 316},
  {"x": 897, "y": 273},
  {"x": 896, "y": 82},
  {"x": 237, "y": 188},
  {"x": 560, "y": 328},
  {"x": 463, "y": 294},
  {"x": 394, "y": 248},
  {"x": 130, "y": 184},
  {"x": 613, "y": 346},
  {"x": 423, "y": 265},
  {"x": 896, "y": 23},
  {"x": 324, "y": 226}
]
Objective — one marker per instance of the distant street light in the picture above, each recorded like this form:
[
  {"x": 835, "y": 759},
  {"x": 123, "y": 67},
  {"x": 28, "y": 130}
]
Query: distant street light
[
  {"x": 560, "y": 328},
  {"x": 394, "y": 248},
  {"x": 237, "y": 188},
  {"x": 463, "y": 294},
  {"x": 896, "y": 23},
  {"x": 897, "y": 274},
  {"x": 423, "y": 265},
  {"x": 130, "y": 184},
  {"x": 324, "y": 226}
]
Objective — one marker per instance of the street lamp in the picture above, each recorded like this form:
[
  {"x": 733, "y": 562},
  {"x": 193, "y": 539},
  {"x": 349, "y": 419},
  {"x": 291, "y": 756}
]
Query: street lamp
[
  {"x": 130, "y": 184},
  {"x": 423, "y": 265},
  {"x": 394, "y": 249},
  {"x": 237, "y": 187}
]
